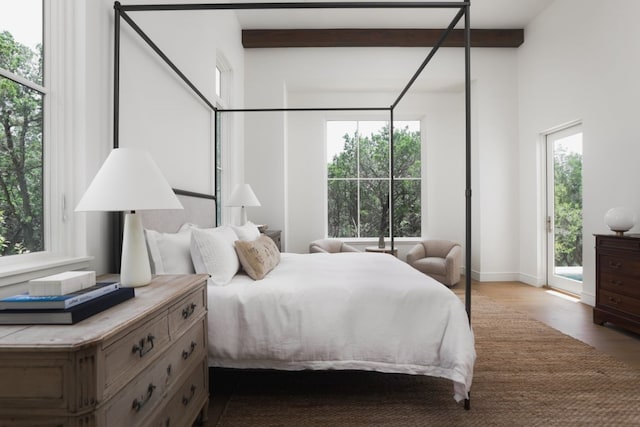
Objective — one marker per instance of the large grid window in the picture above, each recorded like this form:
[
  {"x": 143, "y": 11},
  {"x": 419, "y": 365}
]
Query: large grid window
[
  {"x": 359, "y": 179},
  {"x": 22, "y": 95}
]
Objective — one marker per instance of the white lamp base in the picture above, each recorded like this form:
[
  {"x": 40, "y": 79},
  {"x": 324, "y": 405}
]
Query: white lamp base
[
  {"x": 243, "y": 215},
  {"x": 134, "y": 267}
]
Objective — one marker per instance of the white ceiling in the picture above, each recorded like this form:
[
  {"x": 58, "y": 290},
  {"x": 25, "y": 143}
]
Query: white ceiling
[{"x": 484, "y": 14}]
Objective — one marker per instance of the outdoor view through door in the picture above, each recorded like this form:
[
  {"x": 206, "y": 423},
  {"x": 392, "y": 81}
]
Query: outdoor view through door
[
  {"x": 564, "y": 209},
  {"x": 359, "y": 179}
]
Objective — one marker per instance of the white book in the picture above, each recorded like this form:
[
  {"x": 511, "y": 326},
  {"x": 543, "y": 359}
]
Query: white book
[{"x": 62, "y": 283}]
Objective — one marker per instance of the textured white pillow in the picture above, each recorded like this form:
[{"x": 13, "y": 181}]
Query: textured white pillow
[
  {"x": 213, "y": 253},
  {"x": 170, "y": 253},
  {"x": 248, "y": 232}
]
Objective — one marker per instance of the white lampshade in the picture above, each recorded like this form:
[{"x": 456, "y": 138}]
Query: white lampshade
[
  {"x": 243, "y": 196},
  {"x": 129, "y": 180},
  {"x": 620, "y": 219}
]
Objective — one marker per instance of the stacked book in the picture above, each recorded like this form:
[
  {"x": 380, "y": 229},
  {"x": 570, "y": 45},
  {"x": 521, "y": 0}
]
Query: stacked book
[{"x": 65, "y": 298}]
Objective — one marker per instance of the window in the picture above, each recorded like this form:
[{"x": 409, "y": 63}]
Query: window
[
  {"x": 359, "y": 179},
  {"x": 223, "y": 130},
  {"x": 22, "y": 97}
]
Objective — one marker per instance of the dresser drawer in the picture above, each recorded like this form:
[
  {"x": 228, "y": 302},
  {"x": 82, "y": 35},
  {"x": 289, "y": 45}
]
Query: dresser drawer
[
  {"x": 618, "y": 302},
  {"x": 128, "y": 355},
  {"x": 183, "y": 313},
  {"x": 187, "y": 350},
  {"x": 185, "y": 404},
  {"x": 617, "y": 243},
  {"x": 621, "y": 284},
  {"x": 137, "y": 401},
  {"x": 620, "y": 265}
]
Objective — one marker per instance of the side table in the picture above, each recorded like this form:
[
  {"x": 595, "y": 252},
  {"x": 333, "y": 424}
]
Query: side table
[
  {"x": 275, "y": 235},
  {"x": 385, "y": 250}
]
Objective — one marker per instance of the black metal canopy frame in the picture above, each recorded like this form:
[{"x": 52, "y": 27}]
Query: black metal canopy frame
[{"x": 463, "y": 10}]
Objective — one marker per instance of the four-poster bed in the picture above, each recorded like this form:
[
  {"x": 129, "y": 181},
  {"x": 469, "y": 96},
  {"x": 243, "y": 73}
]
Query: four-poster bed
[{"x": 122, "y": 12}]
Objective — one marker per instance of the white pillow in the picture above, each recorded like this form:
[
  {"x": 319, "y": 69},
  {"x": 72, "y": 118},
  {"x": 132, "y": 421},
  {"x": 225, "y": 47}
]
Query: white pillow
[
  {"x": 170, "y": 253},
  {"x": 213, "y": 253},
  {"x": 248, "y": 232}
]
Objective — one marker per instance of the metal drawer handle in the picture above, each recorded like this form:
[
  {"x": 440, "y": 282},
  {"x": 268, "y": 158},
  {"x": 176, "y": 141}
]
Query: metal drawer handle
[
  {"x": 614, "y": 300},
  {"x": 615, "y": 264},
  {"x": 186, "y": 354},
  {"x": 188, "y": 311},
  {"x": 185, "y": 399},
  {"x": 139, "y": 403},
  {"x": 142, "y": 348}
]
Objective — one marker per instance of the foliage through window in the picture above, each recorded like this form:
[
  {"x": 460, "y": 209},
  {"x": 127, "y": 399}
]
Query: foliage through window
[
  {"x": 21, "y": 134},
  {"x": 359, "y": 179}
]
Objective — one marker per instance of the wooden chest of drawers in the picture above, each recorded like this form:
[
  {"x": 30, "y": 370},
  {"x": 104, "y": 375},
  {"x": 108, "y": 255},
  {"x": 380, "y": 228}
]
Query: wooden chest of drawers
[
  {"x": 618, "y": 281},
  {"x": 140, "y": 363}
]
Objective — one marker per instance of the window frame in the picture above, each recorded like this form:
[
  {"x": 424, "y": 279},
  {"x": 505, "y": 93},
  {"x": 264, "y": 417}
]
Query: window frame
[
  {"x": 59, "y": 158},
  {"x": 358, "y": 179}
]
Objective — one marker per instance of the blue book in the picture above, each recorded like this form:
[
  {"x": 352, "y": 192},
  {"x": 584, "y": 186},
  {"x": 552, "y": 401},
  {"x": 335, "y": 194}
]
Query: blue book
[
  {"x": 67, "y": 316},
  {"x": 26, "y": 301}
]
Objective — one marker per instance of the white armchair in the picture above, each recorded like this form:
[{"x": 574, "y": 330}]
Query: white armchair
[
  {"x": 330, "y": 246},
  {"x": 440, "y": 259}
]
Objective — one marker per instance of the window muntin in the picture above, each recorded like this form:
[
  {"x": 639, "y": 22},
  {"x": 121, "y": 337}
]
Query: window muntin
[
  {"x": 21, "y": 128},
  {"x": 358, "y": 179}
]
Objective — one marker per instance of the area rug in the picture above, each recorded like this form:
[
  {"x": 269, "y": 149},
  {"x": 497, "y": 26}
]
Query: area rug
[{"x": 526, "y": 374}]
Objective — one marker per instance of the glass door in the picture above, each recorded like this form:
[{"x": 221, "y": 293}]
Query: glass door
[{"x": 564, "y": 209}]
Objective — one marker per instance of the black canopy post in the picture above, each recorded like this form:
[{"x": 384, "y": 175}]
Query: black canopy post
[
  {"x": 467, "y": 101},
  {"x": 391, "y": 182},
  {"x": 116, "y": 75},
  {"x": 467, "y": 83}
]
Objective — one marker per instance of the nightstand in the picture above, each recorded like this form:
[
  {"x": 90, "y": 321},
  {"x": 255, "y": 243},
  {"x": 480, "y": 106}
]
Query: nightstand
[
  {"x": 275, "y": 236},
  {"x": 143, "y": 361}
]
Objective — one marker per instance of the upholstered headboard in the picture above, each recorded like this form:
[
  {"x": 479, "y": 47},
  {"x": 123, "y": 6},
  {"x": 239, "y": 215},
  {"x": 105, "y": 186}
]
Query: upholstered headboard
[{"x": 199, "y": 209}]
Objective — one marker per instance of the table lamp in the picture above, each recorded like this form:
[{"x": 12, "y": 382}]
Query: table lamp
[
  {"x": 243, "y": 196},
  {"x": 129, "y": 180}
]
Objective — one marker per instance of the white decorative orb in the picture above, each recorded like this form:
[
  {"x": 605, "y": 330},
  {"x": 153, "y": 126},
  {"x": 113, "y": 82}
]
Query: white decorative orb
[{"x": 620, "y": 219}]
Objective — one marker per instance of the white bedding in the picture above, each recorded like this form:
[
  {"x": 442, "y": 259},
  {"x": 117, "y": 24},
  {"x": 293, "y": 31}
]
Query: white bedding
[{"x": 363, "y": 311}]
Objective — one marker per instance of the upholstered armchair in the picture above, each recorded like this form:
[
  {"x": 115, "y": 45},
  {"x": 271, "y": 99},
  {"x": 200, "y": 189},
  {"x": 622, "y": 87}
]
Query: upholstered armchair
[
  {"x": 440, "y": 259},
  {"x": 330, "y": 246}
]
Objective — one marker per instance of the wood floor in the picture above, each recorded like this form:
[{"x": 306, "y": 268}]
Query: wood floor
[{"x": 570, "y": 317}]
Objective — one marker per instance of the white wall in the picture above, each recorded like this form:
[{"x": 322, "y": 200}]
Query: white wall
[
  {"x": 293, "y": 197},
  {"x": 580, "y": 62},
  {"x": 158, "y": 111}
]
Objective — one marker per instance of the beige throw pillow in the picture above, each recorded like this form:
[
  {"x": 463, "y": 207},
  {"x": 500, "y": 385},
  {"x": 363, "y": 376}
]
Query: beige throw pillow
[{"x": 258, "y": 257}]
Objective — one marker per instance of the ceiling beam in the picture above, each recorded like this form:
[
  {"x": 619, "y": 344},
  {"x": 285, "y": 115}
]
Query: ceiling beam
[{"x": 378, "y": 38}]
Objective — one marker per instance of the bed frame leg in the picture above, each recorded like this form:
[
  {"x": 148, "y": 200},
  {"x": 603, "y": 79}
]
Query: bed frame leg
[{"x": 467, "y": 403}]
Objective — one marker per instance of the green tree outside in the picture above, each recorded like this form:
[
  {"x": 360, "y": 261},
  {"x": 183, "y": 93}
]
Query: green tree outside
[
  {"x": 568, "y": 208},
  {"x": 21, "y": 152},
  {"x": 360, "y": 173}
]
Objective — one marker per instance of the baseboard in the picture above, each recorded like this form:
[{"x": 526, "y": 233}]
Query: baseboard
[
  {"x": 494, "y": 277},
  {"x": 588, "y": 299},
  {"x": 532, "y": 280}
]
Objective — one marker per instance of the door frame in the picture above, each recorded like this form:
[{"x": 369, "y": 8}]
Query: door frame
[{"x": 552, "y": 280}]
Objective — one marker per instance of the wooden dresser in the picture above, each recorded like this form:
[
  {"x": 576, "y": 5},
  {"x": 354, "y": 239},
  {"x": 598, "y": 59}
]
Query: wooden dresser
[
  {"x": 140, "y": 363},
  {"x": 618, "y": 281}
]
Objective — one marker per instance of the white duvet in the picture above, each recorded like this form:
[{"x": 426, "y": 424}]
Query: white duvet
[{"x": 363, "y": 311}]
